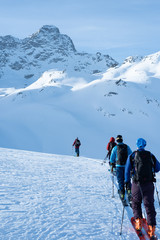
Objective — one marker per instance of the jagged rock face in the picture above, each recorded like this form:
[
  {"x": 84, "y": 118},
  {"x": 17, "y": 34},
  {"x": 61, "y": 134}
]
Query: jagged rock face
[
  {"x": 23, "y": 61},
  {"x": 49, "y": 36},
  {"x": 133, "y": 59}
]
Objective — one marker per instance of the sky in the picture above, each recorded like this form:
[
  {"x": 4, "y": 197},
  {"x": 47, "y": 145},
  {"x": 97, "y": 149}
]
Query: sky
[{"x": 118, "y": 28}]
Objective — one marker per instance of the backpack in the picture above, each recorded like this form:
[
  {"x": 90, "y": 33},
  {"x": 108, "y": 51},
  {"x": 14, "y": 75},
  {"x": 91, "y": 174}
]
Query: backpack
[
  {"x": 144, "y": 167},
  {"x": 77, "y": 143},
  {"x": 122, "y": 154},
  {"x": 111, "y": 146}
]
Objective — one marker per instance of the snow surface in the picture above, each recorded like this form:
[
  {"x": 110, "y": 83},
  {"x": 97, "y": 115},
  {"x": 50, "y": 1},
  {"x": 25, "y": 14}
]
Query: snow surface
[
  {"x": 48, "y": 196},
  {"x": 50, "y": 113}
]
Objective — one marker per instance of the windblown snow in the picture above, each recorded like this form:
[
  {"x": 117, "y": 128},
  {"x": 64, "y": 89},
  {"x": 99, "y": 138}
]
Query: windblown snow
[{"x": 48, "y": 196}]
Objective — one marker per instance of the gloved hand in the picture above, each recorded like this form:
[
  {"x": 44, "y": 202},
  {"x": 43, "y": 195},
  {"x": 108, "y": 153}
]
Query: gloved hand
[
  {"x": 128, "y": 185},
  {"x": 112, "y": 166}
]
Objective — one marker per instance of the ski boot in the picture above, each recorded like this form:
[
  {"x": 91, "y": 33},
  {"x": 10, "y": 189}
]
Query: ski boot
[
  {"x": 151, "y": 232},
  {"x": 138, "y": 224}
]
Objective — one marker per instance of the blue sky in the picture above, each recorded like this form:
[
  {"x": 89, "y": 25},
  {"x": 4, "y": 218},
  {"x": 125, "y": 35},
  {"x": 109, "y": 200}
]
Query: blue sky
[{"x": 119, "y": 28}]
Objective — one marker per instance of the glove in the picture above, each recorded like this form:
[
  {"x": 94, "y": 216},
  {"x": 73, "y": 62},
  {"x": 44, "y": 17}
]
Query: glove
[
  {"x": 128, "y": 185},
  {"x": 112, "y": 166}
]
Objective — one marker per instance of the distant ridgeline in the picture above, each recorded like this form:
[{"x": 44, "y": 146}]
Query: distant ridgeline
[{"x": 23, "y": 61}]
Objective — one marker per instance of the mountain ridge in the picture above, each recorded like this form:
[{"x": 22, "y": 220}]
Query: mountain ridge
[{"x": 46, "y": 49}]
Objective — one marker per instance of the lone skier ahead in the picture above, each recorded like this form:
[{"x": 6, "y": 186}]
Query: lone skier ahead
[
  {"x": 142, "y": 165},
  {"x": 77, "y": 144}
]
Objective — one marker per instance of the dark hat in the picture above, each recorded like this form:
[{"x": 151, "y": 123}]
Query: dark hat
[{"x": 119, "y": 138}]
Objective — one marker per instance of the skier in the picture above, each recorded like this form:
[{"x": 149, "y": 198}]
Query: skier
[
  {"x": 77, "y": 144},
  {"x": 118, "y": 159},
  {"x": 110, "y": 146},
  {"x": 142, "y": 165}
]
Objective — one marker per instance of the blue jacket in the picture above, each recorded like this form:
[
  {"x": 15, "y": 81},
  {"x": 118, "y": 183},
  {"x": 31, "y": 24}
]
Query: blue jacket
[
  {"x": 113, "y": 158},
  {"x": 128, "y": 166}
]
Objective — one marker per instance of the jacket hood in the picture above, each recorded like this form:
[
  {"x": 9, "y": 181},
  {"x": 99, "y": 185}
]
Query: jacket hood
[{"x": 112, "y": 139}]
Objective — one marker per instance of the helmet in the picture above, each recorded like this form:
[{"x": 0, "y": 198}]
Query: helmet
[{"x": 141, "y": 143}]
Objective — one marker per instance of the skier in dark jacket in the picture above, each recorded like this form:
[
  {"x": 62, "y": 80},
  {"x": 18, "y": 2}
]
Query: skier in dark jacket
[
  {"x": 141, "y": 166},
  {"x": 118, "y": 159},
  {"x": 110, "y": 146},
  {"x": 77, "y": 144}
]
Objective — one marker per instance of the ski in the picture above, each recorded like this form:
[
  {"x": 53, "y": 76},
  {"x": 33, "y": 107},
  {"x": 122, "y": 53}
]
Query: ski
[
  {"x": 139, "y": 233},
  {"x": 145, "y": 226}
]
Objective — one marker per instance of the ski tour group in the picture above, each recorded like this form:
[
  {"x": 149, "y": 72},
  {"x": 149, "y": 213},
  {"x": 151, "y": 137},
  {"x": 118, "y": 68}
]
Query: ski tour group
[{"x": 135, "y": 173}]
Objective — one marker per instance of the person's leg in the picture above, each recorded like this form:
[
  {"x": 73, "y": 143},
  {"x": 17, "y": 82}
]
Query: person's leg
[
  {"x": 77, "y": 151},
  {"x": 148, "y": 198},
  {"x": 120, "y": 179},
  {"x": 136, "y": 201},
  {"x": 136, "y": 205}
]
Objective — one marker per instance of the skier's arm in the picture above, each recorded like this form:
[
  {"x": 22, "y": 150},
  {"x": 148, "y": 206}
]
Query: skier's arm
[
  {"x": 157, "y": 164},
  {"x": 113, "y": 155},
  {"x": 129, "y": 150}
]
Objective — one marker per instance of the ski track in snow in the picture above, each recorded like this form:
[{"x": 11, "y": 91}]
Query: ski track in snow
[{"x": 46, "y": 196}]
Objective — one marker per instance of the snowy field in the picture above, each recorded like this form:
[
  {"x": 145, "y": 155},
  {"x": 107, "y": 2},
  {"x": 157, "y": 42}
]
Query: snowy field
[{"x": 46, "y": 197}]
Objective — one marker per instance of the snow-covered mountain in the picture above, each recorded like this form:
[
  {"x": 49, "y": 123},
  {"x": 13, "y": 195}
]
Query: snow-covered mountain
[
  {"x": 48, "y": 114},
  {"x": 24, "y": 61}
]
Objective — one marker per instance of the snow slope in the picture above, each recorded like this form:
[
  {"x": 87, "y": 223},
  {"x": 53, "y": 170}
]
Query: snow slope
[
  {"x": 48, "y": 196},
  {"x": 50, "y": 113}
]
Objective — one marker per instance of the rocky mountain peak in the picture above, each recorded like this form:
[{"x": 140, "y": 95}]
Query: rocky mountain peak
[
  {"x": 49, "y": 29},
  {"x": 46, "y": 31},
  {"x": 28, "y": 58},
  {"x": 49, "y": 36}
]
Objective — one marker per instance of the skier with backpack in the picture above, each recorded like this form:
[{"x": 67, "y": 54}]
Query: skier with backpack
[
  {"x": 141, "y": 166},
  {"x": 110, "y": 146},
  {"x": 77, "y": 144},
  {"x": 118, "y": 160}
]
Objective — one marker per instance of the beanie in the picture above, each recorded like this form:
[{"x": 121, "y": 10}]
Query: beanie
[{"x": 141, "y": 143}]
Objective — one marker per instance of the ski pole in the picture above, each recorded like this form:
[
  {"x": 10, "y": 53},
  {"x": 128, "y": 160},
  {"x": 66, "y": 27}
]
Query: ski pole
[
  {"x": 122, "y": 220},
  {"x": 112, "y": 185},
  {"x": 72, "y": 151},
  {"x": 157, "y": 194}
]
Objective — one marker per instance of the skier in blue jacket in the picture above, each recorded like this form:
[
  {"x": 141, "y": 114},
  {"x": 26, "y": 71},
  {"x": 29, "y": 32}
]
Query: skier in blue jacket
[
  {"x": 118, "y": 159},
  {"x": 141, "y": 166}
]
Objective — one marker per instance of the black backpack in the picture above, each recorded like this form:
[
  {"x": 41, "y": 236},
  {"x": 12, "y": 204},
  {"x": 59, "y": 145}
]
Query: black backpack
[
  {"x": 144, "y": 167},
  {"x": 122, "y": 154},
  {"x": 111, "y": 146},
  {"x": 77, "y": 143}
]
